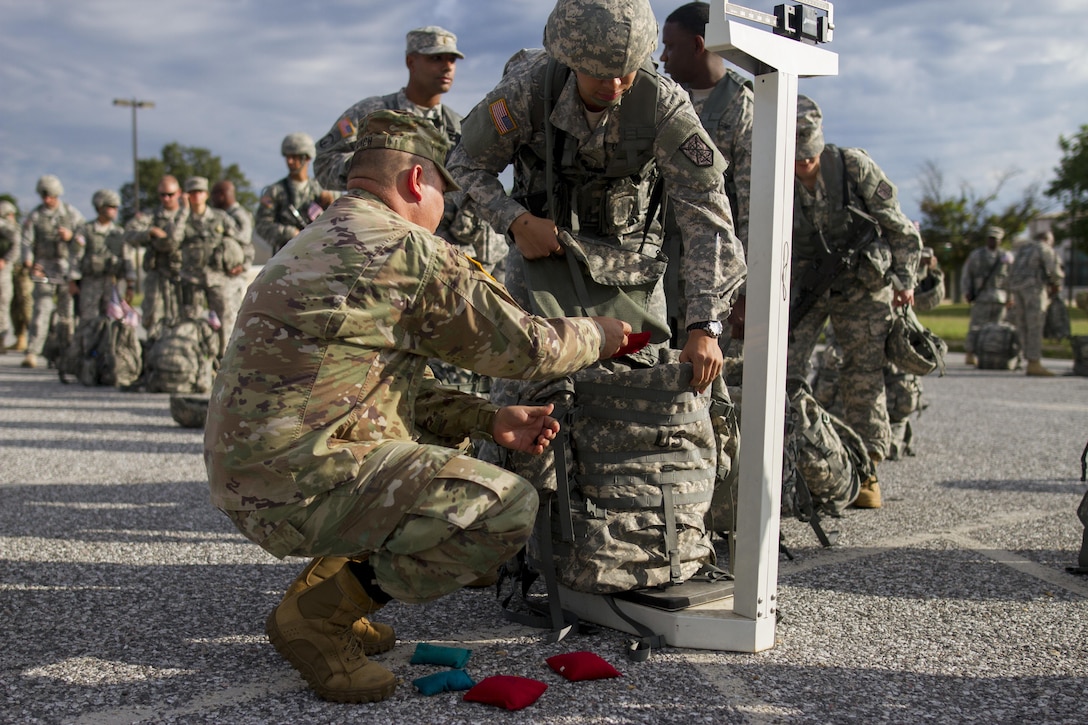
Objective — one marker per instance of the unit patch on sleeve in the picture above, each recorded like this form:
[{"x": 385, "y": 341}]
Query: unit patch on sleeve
[
  {"x": 500, "y": 116},
  {"x": 696, "y": 149},
  {"x": 884, "y": 190}
]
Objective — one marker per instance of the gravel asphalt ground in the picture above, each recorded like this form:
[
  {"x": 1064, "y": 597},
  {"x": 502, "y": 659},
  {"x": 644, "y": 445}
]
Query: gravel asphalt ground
[{"x": 125, "y": 597}]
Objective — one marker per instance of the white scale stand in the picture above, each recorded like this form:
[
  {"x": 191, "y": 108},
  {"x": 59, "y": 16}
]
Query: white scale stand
[{"x": 745, "y": 622}]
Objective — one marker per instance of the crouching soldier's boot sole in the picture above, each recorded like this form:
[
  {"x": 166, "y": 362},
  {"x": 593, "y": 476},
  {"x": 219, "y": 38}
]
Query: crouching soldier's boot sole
[
  {"x": 376, "y": 637},
  {"x": 314, "y": 630}
]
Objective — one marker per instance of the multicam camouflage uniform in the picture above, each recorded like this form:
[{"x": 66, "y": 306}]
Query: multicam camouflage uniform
[
  {"x": 162, "y": 264},
  {"x": 1035, "y": 268},
  {"x": 859, "y": 302},
  {"x": 460, "y": 226},
  {"x": 98, "y": 265},
  {"x": 42, "y": 245},
  {"x": 322, "y": 417},
  {"x": 983, "y": 277}
]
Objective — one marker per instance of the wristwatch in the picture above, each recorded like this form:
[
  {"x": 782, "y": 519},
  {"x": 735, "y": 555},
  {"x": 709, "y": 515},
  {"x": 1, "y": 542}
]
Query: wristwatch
[{"x": 713, "y": 328}]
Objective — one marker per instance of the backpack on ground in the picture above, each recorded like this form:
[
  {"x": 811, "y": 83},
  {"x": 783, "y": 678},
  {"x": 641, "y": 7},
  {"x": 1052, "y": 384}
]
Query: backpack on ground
[
  {"x": 997, "y": 347},
  {"x": 904, "y": 393},
  {"x": 79, "y": 360},
  {"x": 1080, "y": 354},
  {"x": 57, "y": 340},
  {"x": 824, "y": 462},
  {"x": 183, "y": 359},
  {"x": 1056, "y": 326}
]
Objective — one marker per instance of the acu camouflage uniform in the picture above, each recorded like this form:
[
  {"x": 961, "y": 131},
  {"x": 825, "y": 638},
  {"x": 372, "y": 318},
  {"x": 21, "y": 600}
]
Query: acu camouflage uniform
[
  {"x": 858, "y": 304},
  {"x": 1035, "y": 268},
  {"x": 42, "y": 245},
  {"x": 984, "y": 273},
  {"x": 504, "y": 128},
  {"x": 209, "y": 250},
  {"x": 276, "y": 223},
  {"x": 99, "y": 263},
  {"x": 235, "y": 287},
  {"x": 162, "y": 264},
  {"x": 9, "y": 253},
  {"x": 321, "y": 431}
]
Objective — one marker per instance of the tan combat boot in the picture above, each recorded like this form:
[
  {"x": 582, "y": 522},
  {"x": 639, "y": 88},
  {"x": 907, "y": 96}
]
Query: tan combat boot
[
  {"x": 869, "y": 495},
  {"x": 30, "y": 361},
  {"x": 969, "y": 359},
  {"x": 20, "y": 343},
  {"x": 376, "y": 637},
  {"x": 314, "y": 631},
  {"x": 1036, "y": 368}
]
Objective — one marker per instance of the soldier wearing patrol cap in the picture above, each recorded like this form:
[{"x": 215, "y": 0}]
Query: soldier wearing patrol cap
[
  {"x": 842, "y": 200},
  {"x": 326, "y": 437},
  {"x": 210, "y": 250},
  {"x": 294, "y": 201},
  {"x": 49, "y": 232},
  {"x": 100, "y": 261},
  {"x": 431, "y": 55},
  {"x": 557, "y": 114},
  {"x": 983, "y": 283}
]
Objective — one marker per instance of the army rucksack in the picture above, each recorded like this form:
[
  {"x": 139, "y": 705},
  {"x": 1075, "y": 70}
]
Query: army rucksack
[
  {"x": 184, "y": 357},
  {"x": 824, "y": 462},
  {"x": 1056, "y": 325},
  {"x": 997, "y": 347}
]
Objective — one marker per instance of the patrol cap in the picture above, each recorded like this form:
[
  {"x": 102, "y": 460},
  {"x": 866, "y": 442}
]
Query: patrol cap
[
  {"x": 996, "y": 232},
  {"x": 196, "y": 183},
  {"x": 6, "y": 207},
  {"x": 49, "y": 185},
  {"x": 810, "y": 132},
  {"x": 401, "y": 131},
  {"x": 601, "y": 38},
  {"x": 432, "y": 40}
]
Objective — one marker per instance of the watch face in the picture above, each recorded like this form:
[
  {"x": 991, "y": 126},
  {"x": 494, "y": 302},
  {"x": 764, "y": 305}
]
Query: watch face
[{"x": 714, "y": 328}]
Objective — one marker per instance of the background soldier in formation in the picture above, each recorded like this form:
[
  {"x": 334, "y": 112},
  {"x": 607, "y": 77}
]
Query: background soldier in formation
[
  {"x": 100, "y": 261},
  {"x": 983, "y": 284},
  {"x": 9, "y": 253},
  {"x": 840, "y": 196},
  {"x": 1035, "y": 275},
  {"x": 294, "y": 201},
  {"x": 362, "y": 482},
  {"x": 49, "y": 232},
  {"x": 159, "y": 234},
  {"x": 211, "y": 257}
]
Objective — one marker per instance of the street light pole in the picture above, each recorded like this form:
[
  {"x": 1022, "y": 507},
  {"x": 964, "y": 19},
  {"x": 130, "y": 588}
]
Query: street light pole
[{"x": 134, "y": 104}]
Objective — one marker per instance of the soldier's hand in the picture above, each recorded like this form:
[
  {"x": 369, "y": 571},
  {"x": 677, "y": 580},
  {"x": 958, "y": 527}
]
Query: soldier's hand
[
  {"x": 156, "y": 232},
  {"x": 702, "y": 351},
  {"x": 903, "y": 297},
  {"x": 535, "y": 237},
  {"x": 526, "y": 428},
  {"x": 615, "y": 335},
  {"x": 64, "y": 233}
]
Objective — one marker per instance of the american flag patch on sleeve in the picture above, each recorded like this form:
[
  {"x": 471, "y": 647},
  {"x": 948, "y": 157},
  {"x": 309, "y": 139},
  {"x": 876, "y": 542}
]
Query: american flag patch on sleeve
[
  {"x": 347, "y": 128},
  {"x": 500, "y": 116}
]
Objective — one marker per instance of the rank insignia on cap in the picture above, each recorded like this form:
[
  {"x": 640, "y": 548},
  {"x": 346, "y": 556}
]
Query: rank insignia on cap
[
  {"x": 696, "y": 149},
  {"x": 884, "y": 190},
  {"x": 347, "y": 128},
  {"x": 500, "y": 116}
]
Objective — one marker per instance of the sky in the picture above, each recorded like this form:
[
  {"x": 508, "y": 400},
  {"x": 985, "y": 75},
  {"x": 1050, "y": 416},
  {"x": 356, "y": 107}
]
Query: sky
[{"x": 982, "y": 89}]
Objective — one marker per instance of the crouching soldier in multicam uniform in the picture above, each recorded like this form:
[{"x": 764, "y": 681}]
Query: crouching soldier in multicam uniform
[
  {"x": 328, "y": 437},
  {"x": 100, "y": 261}
]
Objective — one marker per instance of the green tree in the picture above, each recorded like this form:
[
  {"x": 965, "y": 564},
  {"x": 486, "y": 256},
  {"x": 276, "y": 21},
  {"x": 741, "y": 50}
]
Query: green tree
[
  {"x": 1070, "y": 189},
  {"x": 183, "y": 162},
  {"x": 956, "y": 224}
]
